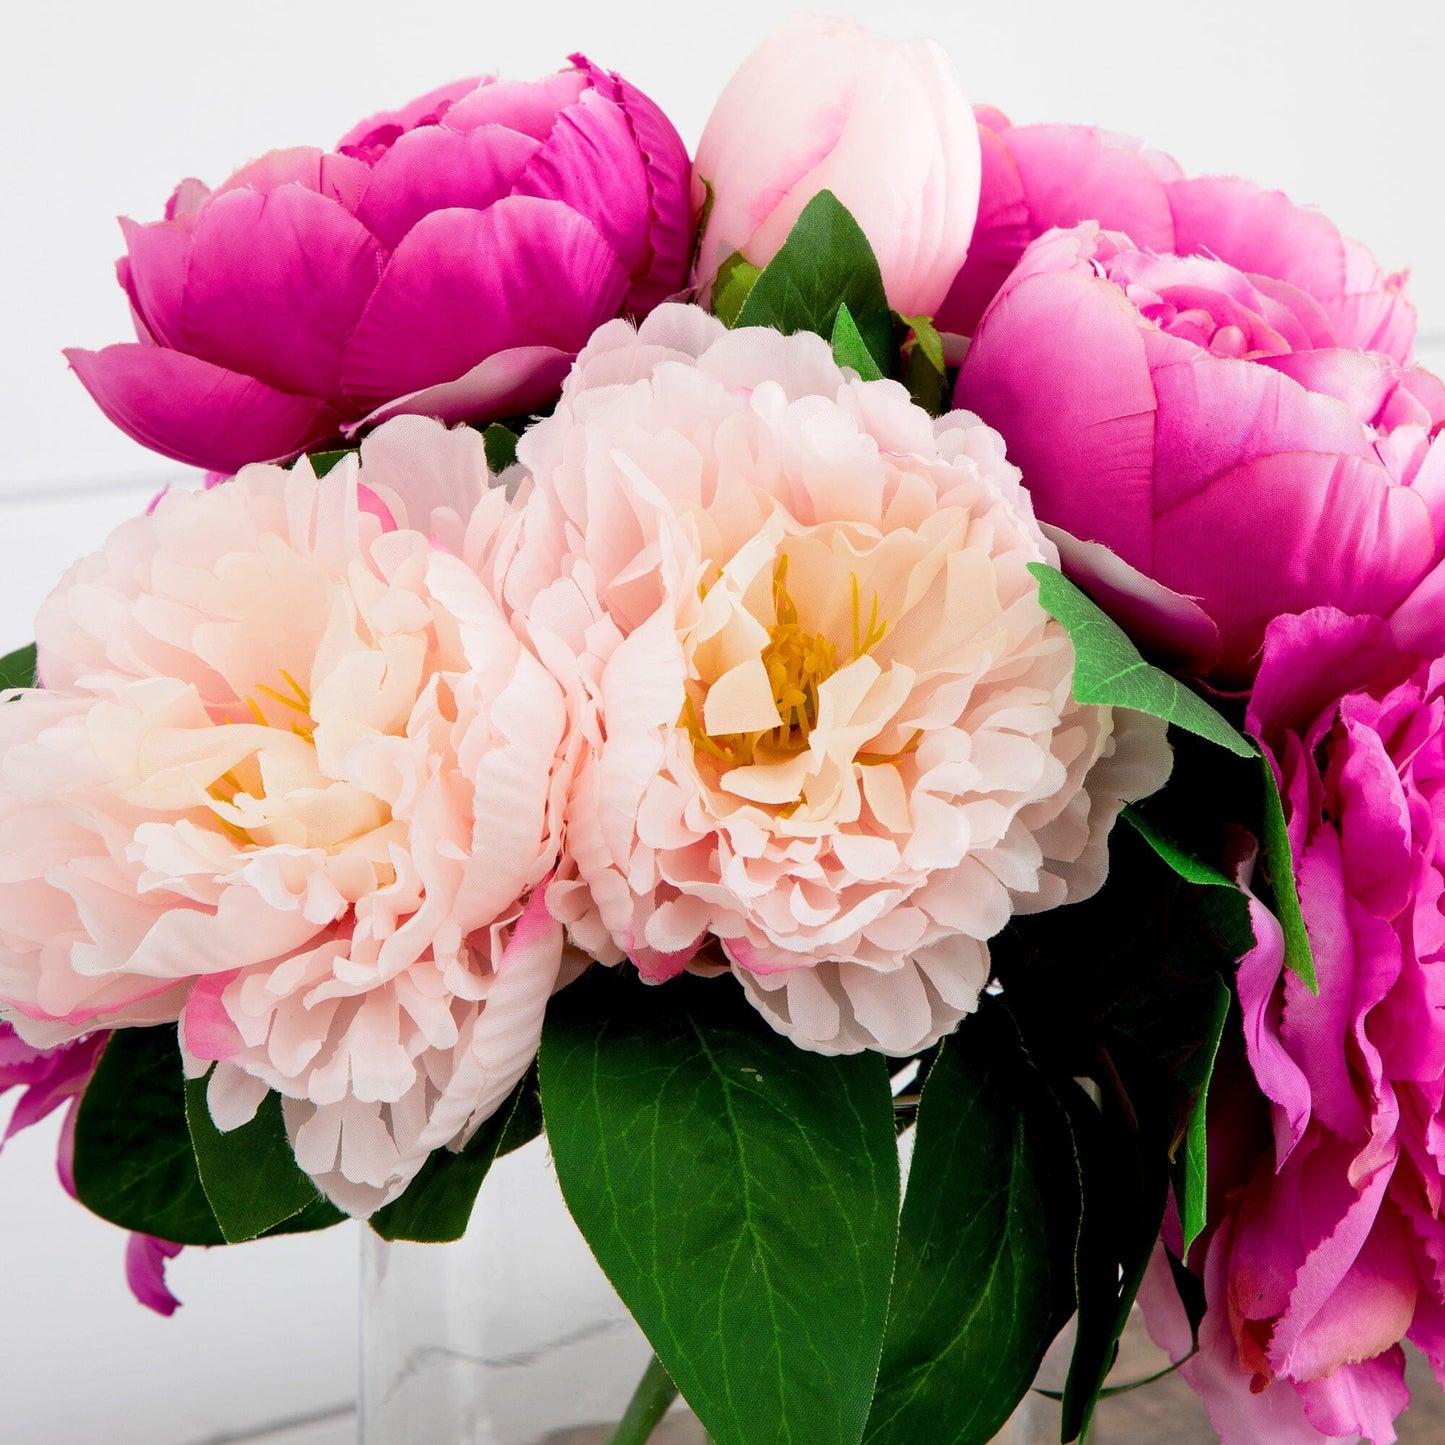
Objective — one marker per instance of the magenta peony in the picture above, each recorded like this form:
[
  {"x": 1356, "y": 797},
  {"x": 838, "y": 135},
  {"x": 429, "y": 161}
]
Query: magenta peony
[
  {"x": 448, "y": 259},
  {"x": 295, "y": 778},
  {"x": 1213, "y": 429},
  {"x": 823, "y": 105},
  {"x": 833, "y": 744},
  {"x": 1331, "y": 1249},
  {"x": 1036, "y": 177}
]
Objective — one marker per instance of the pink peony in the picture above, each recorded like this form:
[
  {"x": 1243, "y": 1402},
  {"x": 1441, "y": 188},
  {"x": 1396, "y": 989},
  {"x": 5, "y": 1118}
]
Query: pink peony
[
  {"x": 1213, "y": 429},
  {"x": 1331, "y": 1248},
  {"x": 294, "y": 777},
  {"x": 50, "y": 1079},
  {"x": 1036, "y": 177},
  {"x": 885, "y": 126},
  {"x": 448, "y": 259},
  {"x": 833, "y": 743}
]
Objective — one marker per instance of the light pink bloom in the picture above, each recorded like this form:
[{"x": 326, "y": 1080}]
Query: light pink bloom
[
  {"x": 1036, "y": 177},
  {"x": 1212, "y": 428},
  {"x": 50, "y": 1079},
  {"x": 295, "y": 778},
  {"x": 885, "y": 126},
  {"x": 1330, "y": 1249},
  {"x": 447, "y": 259},
  {"x": 834, "y": 742}
]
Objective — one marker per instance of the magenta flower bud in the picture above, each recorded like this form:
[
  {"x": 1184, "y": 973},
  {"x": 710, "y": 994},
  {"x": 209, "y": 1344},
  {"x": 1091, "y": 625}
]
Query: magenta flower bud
[{"x": 449, "y": 259}]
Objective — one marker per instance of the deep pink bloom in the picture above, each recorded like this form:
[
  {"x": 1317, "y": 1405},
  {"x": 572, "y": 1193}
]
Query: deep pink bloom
[
  {"x": 1213, "y": 428},
  {"x": 448, "y": 259},
  {"x": 1036, "y": 177},
  {"x": 1331, "y": 1249},
  {"x": 54, "y": 1077}
]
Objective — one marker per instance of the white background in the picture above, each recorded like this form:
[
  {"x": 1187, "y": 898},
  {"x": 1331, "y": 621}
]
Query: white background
[{"x": 103, "y": 107}]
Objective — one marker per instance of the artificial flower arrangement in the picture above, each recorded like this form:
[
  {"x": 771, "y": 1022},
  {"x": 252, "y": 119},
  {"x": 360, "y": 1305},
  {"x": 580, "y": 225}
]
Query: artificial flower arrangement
[{"x": 901, "y": 624}]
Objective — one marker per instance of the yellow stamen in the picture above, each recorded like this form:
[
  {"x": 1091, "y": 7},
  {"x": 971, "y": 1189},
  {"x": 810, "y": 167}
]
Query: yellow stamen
[
  {"x": 256, "y": 712},
  {"x": 872, "y": 760},
  {"x": 281, "y": 697}
]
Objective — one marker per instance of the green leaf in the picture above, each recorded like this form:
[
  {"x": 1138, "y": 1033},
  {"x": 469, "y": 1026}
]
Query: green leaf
[
  {"x": 985, "y": 1273},
  {"x": 323, "y": 1214},
  {"x": 736, "y": 278},
  {"x": 133, "y": 1159},
  {"x": 825, "y": 263},
  {"x": 323, "y": 462},
  {"x": 250, "y": 1174},
  {"x": 17, "y": 669},
  {"x": 1196, "y": 1075},
  {"x": 1183, "y": 862},
  {"x": 438, "y": 1203},
  {"x": 1123, "y": 1152},
  {"x": 1278, "y": 868},
  {"x": 1109, "y": 671},
  {"x": 926, "y": 340},
  {"x": 501, "y": 444},
  {"x": 741, "y": 1194},
  {"x": 849, "y": 348}
]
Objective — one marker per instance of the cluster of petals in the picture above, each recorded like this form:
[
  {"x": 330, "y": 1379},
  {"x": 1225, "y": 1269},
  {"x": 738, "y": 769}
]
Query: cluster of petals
[
  {"x": 1216, "y": 428},
  {"x": 1330, "y": 1250},
  {"x": 447, "y": 259},
  {"x": 830, "y": 740},
  {"x": 1037, "y": 177},
  {"x": 294, "y": 779},
  {"x": 884, "y": 125}
]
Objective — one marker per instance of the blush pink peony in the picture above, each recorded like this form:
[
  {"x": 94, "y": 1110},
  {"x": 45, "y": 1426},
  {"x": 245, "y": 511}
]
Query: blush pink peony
[
  {"x": 832, "y": 741},
  {"x": 294, "y": 777}
]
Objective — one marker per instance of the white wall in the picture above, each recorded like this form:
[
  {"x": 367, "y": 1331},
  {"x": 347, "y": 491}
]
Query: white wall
[{"x": 104, "y": 106}]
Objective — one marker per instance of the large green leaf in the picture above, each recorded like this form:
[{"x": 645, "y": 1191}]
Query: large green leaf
[
  {"x": 438, "y": 1203},
  {"x": 825, "y": 263},
  {"x": 1109, "y": 671},
  {"x": 985, "y": 1274},
  {"x": 740, "y": 1192},
  {"x": 250, "y": 1174},
  {"x": 133, "y": 1159}
]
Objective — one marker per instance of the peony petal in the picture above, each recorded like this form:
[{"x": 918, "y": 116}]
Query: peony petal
[
  {"x": 550, "y": 280},
  {"x": 510, "y": 383},
  {"x": 437, "y": 168},
  {"x": 157, "y": 258},
  {"x": 277, "y": 283},
  {"x": 198, "y": 413}
]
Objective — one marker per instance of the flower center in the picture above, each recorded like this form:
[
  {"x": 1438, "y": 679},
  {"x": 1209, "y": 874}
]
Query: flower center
[{"x": 797, "y": 662}]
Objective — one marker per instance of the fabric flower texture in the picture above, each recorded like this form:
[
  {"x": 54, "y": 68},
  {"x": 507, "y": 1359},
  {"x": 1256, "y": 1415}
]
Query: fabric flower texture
[
  {"x": 294, "y": 779},
  {"x": 1213, "y": 428},
  {"x": 1332, "y": 1249},
  {"x": 823, "y": 105},
  {"x": 1036, "y": 177},
  {"x": 833, "y": 743},
  {"x": 448, "y": 259}
]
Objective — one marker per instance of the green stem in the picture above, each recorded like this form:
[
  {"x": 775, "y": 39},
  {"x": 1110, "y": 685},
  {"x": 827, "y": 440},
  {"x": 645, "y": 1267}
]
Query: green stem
[{"x": 654, "y": 1393}]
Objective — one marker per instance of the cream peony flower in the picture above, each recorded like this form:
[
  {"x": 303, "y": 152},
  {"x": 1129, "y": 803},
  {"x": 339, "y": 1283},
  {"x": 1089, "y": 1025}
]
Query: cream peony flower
[
  {"x": 832, "y": 739},
  {"x": 295, "y": 777}
]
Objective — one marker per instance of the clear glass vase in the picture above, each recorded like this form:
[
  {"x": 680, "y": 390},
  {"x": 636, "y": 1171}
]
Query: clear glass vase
[{"x": 512, "y": 1335}]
